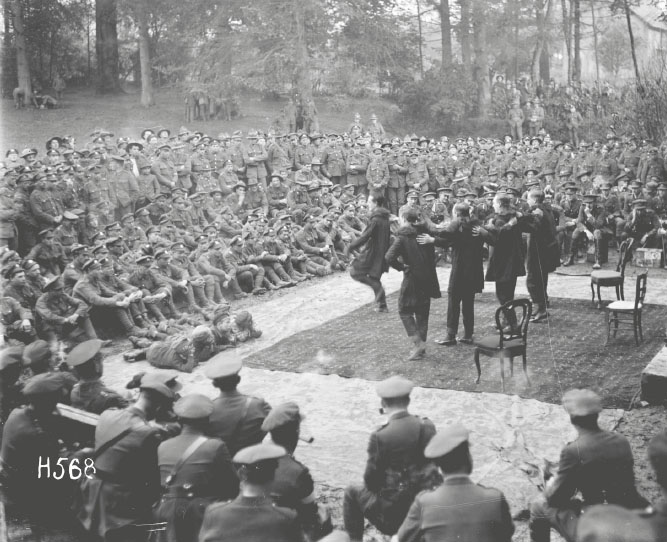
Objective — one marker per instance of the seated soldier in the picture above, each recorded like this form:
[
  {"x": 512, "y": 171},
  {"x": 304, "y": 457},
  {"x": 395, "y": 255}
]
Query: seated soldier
[
  {"x": 641, "y": 227},
  {"x": 18, "y": 323},
  {"x": 592, "y": 223},
  {"x": 62, "y": 317},
  {"x": 250, "y": 277},
  {"x": 157, "y": 294},
  {"x": 314, "y": 243},
  {"x": 211, "y": 261},
  {"x": 48, "y": 254},
  {"x": 205, "y": 288},
  {"x": 306, "y": 265},
  {"x": 276, "y": 248},
  {"x": 254, "y": 253},
  {"x": 18, "y": 288},
  {"x": 175, "y": 278},
  {"x": 89, "y": 393}
]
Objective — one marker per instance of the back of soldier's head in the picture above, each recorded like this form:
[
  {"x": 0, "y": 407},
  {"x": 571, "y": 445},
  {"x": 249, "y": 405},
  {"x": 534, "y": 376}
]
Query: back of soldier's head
[
  {"x": 657, "y": 454},
  {"x": 458, "y": 460},
  {"x": 537, "y": 195},
  {"x": 462, "y": 210}
]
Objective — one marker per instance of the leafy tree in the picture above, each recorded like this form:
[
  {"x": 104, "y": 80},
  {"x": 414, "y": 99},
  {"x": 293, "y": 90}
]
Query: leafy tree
[{"x": 614, "y": 49}]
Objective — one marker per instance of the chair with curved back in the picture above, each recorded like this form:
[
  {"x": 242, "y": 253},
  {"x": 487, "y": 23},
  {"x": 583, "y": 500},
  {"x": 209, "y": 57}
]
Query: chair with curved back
[
  {"x": 504, "y": 344},
  {"x": 628, "y": 313},
  {"x": 603, "y": 278}
]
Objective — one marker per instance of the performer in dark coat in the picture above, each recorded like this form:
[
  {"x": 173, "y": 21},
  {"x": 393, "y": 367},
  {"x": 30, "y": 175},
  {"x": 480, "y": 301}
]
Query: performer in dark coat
[
  {"x": 506, "y": 257},
  {"x": 420, "y": 281},
  {"x": 543, "y": 250},
  {"x": 368, "y": 267},
  {"x": 466, "y": 238}
]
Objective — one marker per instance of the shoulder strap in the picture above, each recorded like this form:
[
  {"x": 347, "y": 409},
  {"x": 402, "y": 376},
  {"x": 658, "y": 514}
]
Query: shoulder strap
[
  {"x": 194, "y": 446},
  {"x": 109, "y": 443}
]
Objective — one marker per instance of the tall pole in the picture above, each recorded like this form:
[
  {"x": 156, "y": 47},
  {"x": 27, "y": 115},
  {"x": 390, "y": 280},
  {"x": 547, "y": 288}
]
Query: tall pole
[{"x": 421, "y": 52}]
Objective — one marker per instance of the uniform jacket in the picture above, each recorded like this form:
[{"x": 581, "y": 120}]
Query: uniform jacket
[
  {"x": 375, "y": 239},
  {"x": 251, "y": 520},
  {"x": 93, "y": 396},
  {"x": 467, "y": 267},
  {"x": 458, "y": 510},
  {"x": 543, "y": 249},
  {"x": 598, "y": 464},
  {"x": 55, "y": 307},
  {"x": 127, "y": 481},
  {"x": 237, "y": 420}
]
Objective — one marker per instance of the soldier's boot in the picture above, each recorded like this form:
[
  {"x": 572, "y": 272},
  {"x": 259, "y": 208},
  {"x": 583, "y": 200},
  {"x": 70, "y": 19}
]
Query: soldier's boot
[
  {"x": 199, "y": 293},
  {"x": 271, "y": 279},
  {"x": 258, "y": 281},
  {"x": 155, "y": 312},
  {"x": 296, "y": 276},
  {"x": 419, "y": 350},
  {"x": 268, "y": 285},
  {"x": 284, "y": 276}
]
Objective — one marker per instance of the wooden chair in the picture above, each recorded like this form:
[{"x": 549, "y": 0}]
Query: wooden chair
[
  {"x": 628, "y": 313},
  {"x": 603, "y": 278},
  {"x": 504, "y": 345}
]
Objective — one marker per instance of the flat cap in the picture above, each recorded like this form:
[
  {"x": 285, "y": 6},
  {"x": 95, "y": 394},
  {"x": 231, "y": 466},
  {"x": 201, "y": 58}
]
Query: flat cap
[
  {"x": 43, "y": 384},
  {"x": 10, "y": 356},
  {"x": 222, "y": 365},
  {"x": 446, "y": 440},
  {"x": 36, "y": 351},
  {"x": 83, "y": 352},
  {"x": 158, "y": 383},
  {"x": 76, "y": 247},
  {"x": 193, "y": 407},
  {"x": 258, "y": 452},
  {"x": 394, "y": 386},
  {"x": 280, "y": 415},
  {"x": 582, "y": 402}
]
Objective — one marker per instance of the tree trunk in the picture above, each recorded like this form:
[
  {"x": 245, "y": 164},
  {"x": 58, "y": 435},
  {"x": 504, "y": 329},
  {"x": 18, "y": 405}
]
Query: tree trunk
[
  {"x": 543, "y": 15},
  {"x": 567, "y": 35},
  {"x": 632, "y": 41},
  {"x": 481, "y": 66},
  {"x": 302, "y": 80},
  {"x": 545, "y": 64},
  {"x": 147, "y": 98},
  {"x": 106, "y": 46},
  {"x": 421, "y": 40},
  {"x": 446, "y": 33},
  {"x": 22, "y": 63},
  {"x": 577, "y": 39},
  {"x": 464, "y": 33}
]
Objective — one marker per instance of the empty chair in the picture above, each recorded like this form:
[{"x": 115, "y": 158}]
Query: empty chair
[
  {"x": 603, "y": 278},
  {"x": 506, "y": 345},
  {"x": 628, "y": 313}
]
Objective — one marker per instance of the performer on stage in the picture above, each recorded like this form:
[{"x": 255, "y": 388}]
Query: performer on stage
[
  {"x": 466, "y": 237},
  {"x": 420, "y": 281},
  {"x": 368, "y": 267}
]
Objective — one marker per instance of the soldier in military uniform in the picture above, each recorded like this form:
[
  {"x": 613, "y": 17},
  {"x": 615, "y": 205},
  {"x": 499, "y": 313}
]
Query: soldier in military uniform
[
  {"x": 355, "y": 167},
  {"x": 90, "y": 393},
  {"x": 18, "y": 288},
  {"x": 30, "y": 439},
  {"x": 377, "y": 174},
  {"x": 164, "y": 168},
  {"x": 26, "y": 223},
  {"x": 571, "y": 206},
  {"x": 598, "y": 464},
  {"x": 236, "y": 418},
  {"x": 459, "y": 509},
  {"x": 248, "y": 276},
  {"x": 62, "y": 317},
  {"x": 48, "y": 254},
  {"x": 252, "y": 515},
  {"x": 67, "y": 234},
  {"x": 126, "y": 483},
  {"x": 44, "y": 206},
  {"x": 592, "y": 223},
  {"x": 641, "y": 227},
  {"x": 18, "y": 323},
  {"x": 157, "y": 294},
  {"x": 396, "y": 469},
  {"x": 195, "y": 471}
]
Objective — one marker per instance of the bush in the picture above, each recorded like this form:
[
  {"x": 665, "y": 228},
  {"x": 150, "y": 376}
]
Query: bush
[{"x": 439, "y": 98}]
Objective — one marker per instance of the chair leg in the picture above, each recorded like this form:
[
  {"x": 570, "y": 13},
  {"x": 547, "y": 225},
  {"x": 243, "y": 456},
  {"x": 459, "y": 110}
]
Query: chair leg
[
  {"x": 622, "y": 293},
  {"x": 639, "y": 321},
  {"x": 525, "y": 369},
  {"x": 608, "y": 327},
  {"x": 615, "y": 324},
  {"x": 479, "y": 369},
  {"x": 618, "y": 292},
  {"x": 511, "y": 366},
  {"x": 599, "y": 298},
  {"x": 635, "y": 328},
  {"x": 592, "y": 293},
  {"x": 502, "y": 372}
]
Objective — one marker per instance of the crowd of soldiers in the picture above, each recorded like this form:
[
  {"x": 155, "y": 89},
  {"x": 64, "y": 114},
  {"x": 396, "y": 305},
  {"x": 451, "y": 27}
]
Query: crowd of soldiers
[
  {"x": 158, "y": 237},
  {"x": 130, "y": 231},
  {"x": 162, "y": 466}
]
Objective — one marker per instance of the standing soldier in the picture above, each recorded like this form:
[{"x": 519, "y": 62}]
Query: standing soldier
[
  {"x": 355, "y": 167},
  {"x": 26, "y": 223},
  {"x": 254, "y": 156},
  {"x": 377, "y": 174},
  {"x": 515, "y": 119},
  {"x": 195, "y": 471},
  {"x": 333, "y": 160},
  {"x": 236, "y": 418},
  {"x": 44, "y": 206},
  {"x": 164, "y": 168},
  {"x": 396, "y": 469}
]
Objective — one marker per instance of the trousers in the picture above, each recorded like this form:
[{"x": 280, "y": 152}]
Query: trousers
[
  {"x": 543, "y": 517},
  {"x": 415, "y": 319},
  {"x": 460, "y": 301},
  {"x": 375, "y": 284}
]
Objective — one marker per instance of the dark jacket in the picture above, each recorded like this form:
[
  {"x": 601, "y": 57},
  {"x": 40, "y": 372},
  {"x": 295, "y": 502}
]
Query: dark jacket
[
  {"x": 420, "y": 281},
  {"x": 376, "y": 237},
  {"x": 598, "y": 464},
  {"x": 506, "y": 257},
  {"x": 458, "y": 510},
  {"x": 467, "y": 265},
  {"x": 543, "y": 249}
]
